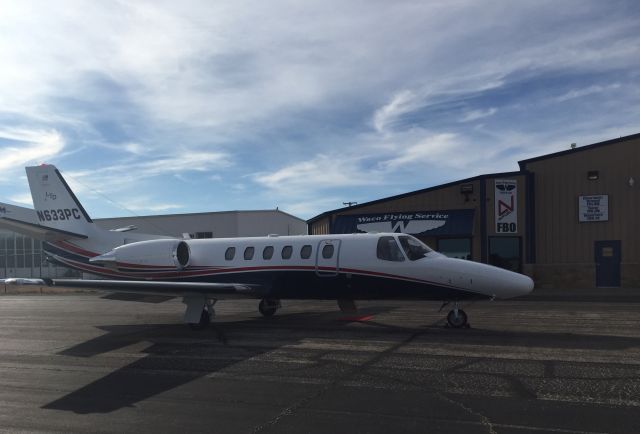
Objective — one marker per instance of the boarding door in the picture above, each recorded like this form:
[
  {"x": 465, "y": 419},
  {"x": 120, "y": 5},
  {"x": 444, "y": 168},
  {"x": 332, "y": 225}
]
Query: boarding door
[{"x": 327, "y": 254}]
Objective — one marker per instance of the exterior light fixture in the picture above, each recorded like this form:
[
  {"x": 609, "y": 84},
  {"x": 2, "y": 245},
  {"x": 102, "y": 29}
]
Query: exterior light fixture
[
  {"x": 466, "y": 190},
  {"x": 631, "y": 181},
  {"x": 593, "y": 175}
]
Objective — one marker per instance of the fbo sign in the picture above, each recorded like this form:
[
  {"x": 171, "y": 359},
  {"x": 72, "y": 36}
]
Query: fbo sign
[{"x": 506, "y": 206}]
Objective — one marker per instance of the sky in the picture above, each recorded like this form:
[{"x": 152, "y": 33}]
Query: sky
[{"x": 162, "y": 107}]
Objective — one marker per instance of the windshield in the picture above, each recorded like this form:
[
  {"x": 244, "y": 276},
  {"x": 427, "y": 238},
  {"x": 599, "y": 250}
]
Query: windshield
[{"x": 413, "y": 247}]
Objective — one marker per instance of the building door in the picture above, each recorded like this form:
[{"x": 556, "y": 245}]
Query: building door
[
  {"x": 607, "y": 257},
  {"x": 327, "y": 254},
  {"x": 505, "y": 252}
]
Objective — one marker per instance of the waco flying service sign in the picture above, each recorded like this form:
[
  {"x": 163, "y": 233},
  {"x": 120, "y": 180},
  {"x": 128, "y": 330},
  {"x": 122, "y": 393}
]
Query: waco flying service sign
[
  {"x": 457, "y": 222},
  {"x": 506, "y": 206}
]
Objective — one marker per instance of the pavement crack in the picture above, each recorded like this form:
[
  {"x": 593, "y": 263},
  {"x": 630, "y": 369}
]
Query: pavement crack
[
  {"x": 484, "y": 420},
  {"x": 293, "y": 408}
]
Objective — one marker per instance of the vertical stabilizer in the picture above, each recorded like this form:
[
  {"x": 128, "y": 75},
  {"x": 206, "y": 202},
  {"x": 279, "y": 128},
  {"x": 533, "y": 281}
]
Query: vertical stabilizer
[{"x": 55, "y": 204}]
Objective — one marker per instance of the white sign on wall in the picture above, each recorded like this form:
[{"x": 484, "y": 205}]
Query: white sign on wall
[
  {"x": 506, "y": 206},
  {"x": 593, "y": 208}
]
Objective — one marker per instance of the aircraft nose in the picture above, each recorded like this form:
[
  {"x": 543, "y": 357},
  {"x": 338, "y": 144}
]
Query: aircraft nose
[
  {"x": 523, "y": 285},
  {"x": 510, "y": 284}
]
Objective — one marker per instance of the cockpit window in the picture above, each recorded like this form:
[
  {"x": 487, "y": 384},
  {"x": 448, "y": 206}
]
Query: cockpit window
[
  {"x": 413, "y": 248},
  {"x": 388, "y": 250}
]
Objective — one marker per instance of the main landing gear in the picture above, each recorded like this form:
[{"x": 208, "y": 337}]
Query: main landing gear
[
  {"x": 199, "y": 312},
  {"x": 268, "y": 307},
  {"x": 457, "y": 318}
]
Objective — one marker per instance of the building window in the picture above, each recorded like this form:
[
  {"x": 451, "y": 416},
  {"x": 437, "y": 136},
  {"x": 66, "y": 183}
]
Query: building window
[
  {"x": 388, "y": 250},
  {"x": 459, "y": 248},
  {"x": 286, "y": 252},
  {"x": 504, "y": 252},
  {"x": 230, "y": 253},
  {"x": 305, "y": 252},
  {"x": 267, "y": 253},
  {"x": 203, "y": 235},
  {"x": 248, "y": 253}
]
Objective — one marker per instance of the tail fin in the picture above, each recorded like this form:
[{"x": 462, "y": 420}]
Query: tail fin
[{"x": 55, "y": 204}]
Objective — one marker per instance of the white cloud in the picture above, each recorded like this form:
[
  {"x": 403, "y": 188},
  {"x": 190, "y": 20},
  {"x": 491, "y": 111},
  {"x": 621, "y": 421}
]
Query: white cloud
[
  {"x": 28, "y": 146},
  {"x": 128, "y": 174},
  {"x": 319, "y": 172},
  {"x": 474, "y": 115},
  {"x": 23, "y": 199},
  {"x": 590, "y": 90},
  {"x": 148, "y": 205}
]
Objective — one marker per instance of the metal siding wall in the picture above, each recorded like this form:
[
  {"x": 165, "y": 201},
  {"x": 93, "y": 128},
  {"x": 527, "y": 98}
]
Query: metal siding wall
[
  {"x": 321, "y": 227},
  {"x": 561, "y": 238}
]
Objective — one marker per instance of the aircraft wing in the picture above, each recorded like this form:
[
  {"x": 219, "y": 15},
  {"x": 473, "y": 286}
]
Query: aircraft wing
[
  {"x": 150, "y": 287},
  {"x": 36, "y": 231}
]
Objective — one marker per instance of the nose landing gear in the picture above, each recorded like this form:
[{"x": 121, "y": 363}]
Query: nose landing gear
[{"x": 457, "y": 318}]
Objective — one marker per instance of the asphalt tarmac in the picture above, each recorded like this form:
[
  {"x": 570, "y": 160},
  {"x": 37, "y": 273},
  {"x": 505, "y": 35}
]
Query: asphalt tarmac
[{"x": 81, "y": 363}]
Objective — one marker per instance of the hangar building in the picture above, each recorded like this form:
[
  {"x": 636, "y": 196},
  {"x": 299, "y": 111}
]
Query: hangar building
[
  {"x": 21, "y": 256},
  {"x": 567, "y": 219}
]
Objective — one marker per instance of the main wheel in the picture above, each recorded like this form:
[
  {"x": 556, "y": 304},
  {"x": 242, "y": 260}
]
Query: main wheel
[
  {"x": 268, "y": 307},
  {"x": 205, "y": 319},
  {"x": 457, "y": 319}
]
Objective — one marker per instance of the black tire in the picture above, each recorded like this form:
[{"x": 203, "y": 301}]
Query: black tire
[
  {"x": 205, "y": 319},
  {"x": 267, "y": 308},
  {"x": 458, "y": 321}
]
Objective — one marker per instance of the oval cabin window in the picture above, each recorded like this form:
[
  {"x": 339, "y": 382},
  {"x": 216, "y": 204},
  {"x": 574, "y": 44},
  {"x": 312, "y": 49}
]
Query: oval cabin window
[
  {"x": 286, "y": 252},
  {"x": 230, "y": 253},
  {"x": 305, "y": 252},
  {"x": 248, "y": 253},
  {"x": 267, "y": 253}
]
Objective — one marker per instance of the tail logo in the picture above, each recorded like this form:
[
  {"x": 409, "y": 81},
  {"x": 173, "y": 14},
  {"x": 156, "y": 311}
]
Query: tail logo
[{"x": 51, "y": 196}]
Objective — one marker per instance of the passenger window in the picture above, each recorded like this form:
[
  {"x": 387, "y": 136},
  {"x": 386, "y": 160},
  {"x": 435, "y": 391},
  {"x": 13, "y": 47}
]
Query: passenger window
[
  {"x": 305, "y": 252},
  {"x": 388, "y": 250},
  {"x": 327, "y": 251},
  {"x": 267, "y": 253},
  {"x": 248, "y": 253},
  {"x": 286, "y": 252},
  {"x": 230, "y": 253}
]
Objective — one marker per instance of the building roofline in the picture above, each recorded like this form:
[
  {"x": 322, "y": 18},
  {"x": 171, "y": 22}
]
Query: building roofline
[
  {"x": 523, "y": 163},
  {"x": 412, "y": 193},
  {"x": 202, "y": 214}
]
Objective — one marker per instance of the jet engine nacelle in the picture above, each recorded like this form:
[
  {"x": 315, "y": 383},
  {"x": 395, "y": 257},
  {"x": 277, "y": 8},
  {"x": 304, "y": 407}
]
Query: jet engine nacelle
[{"x": 152, "y": 253}]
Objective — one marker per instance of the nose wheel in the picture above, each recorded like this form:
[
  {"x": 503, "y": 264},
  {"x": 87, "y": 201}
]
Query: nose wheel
[{"x": 457, "y": 318}]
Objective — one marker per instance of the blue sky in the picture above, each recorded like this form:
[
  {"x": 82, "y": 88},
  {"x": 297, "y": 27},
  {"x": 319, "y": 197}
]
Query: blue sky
[{"x": 154, "y": 107}]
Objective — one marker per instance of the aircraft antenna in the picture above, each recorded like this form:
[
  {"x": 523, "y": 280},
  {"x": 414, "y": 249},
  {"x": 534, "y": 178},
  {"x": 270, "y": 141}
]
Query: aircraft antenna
[{"x": 119, "y": 205}]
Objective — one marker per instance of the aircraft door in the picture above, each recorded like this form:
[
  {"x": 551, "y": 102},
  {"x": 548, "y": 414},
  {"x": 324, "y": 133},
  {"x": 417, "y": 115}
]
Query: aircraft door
[{"x": 327, "y": 258}]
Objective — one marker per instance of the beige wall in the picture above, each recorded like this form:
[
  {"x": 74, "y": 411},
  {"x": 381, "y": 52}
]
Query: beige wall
[{"x": 560, "y": 237}]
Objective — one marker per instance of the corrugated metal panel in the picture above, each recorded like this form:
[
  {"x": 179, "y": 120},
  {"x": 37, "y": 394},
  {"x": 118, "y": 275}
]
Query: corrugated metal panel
[{"x": 560, "y": 237}]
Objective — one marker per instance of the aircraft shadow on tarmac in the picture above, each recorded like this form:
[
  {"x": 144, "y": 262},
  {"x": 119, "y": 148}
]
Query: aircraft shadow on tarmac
[{"x": 170, "y": 363}]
